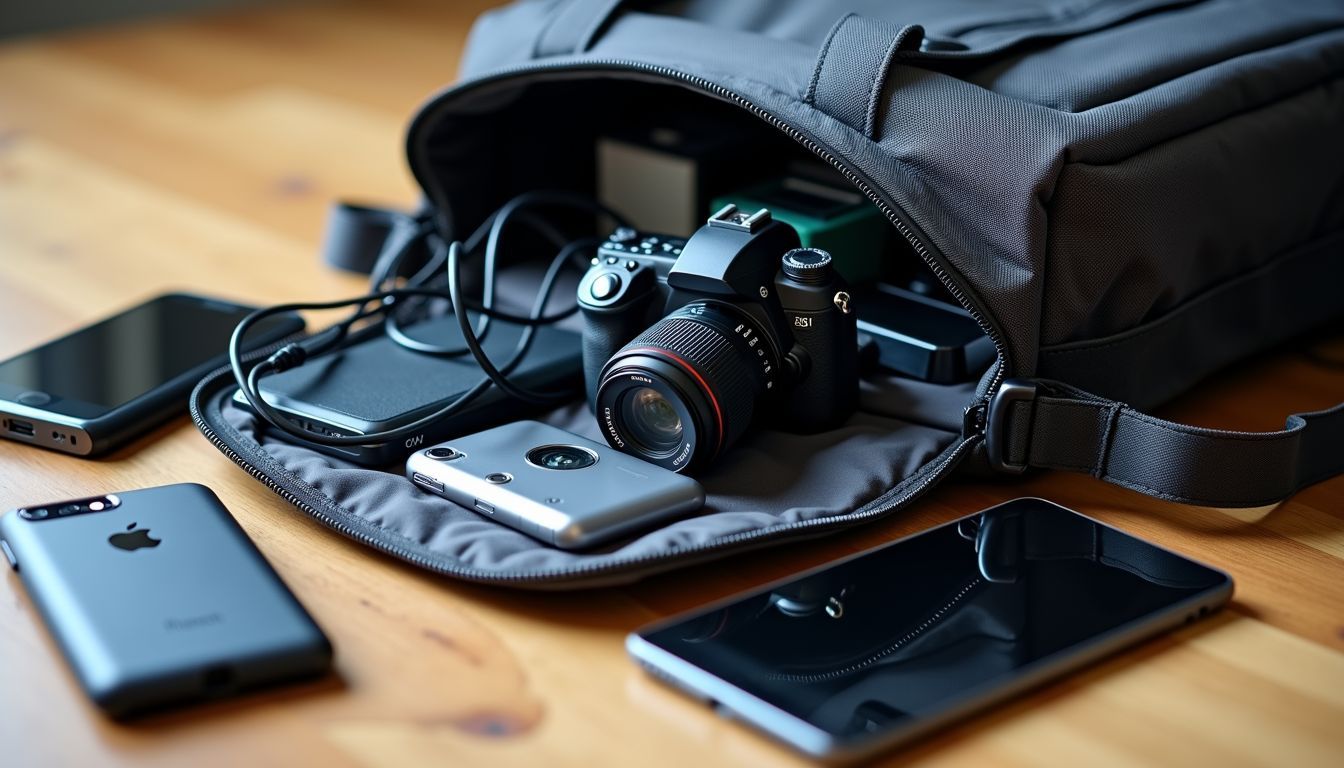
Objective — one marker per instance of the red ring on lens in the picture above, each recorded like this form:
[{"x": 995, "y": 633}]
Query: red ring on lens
[{"x": 704, "y": 385}]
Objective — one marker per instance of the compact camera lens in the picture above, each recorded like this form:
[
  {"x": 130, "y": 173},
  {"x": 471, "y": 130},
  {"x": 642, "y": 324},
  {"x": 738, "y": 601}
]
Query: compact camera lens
[
  {"x": 652, "y": 421},
  {"x": 442, "y": 454},
  {"x": 686, "y": 388},
  {"x": 561, "y": 457}
]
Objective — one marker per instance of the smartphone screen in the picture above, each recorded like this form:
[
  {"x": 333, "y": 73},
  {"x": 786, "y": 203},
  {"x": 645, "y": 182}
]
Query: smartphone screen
[
  {"x": 100, "y": 367},
  {"x": 903, "y": 637}
]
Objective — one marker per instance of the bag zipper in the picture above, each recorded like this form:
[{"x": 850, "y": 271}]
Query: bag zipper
[
  {"x": 307, "y": 499},
  {"x": 310, "y": 502},
  {"x": 888, "y": 207}
]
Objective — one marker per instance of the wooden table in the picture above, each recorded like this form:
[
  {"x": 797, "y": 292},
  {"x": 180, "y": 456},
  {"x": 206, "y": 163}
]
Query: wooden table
[{"x": 201, "y": 153}]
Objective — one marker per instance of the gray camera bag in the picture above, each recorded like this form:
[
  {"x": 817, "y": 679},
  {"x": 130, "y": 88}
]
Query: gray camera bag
[{"x": 1127, "y": 195}]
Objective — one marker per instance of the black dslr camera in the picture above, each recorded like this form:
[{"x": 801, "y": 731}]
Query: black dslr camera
[{"x": 684, "y": 340}]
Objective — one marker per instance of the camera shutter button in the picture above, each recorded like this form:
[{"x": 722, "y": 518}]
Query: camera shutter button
[
  {"x": 605, "y": 286},
  {"x": 807, "y": 265}
]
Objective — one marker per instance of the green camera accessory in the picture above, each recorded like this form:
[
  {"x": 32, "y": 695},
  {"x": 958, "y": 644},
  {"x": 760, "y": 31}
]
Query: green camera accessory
[{"x": 840, "y": 221}]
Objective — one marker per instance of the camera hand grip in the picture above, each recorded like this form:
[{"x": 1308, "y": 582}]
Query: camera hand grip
[
  {"x": 604, "y": 333},
  {"x": 829, "y": 390}
]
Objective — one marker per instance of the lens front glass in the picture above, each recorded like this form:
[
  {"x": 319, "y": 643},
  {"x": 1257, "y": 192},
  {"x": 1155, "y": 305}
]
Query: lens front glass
[
  {"x": 686, "y": 388},
  {"x": 561, "y": 457},
  {"x": 651, "y": 421}
]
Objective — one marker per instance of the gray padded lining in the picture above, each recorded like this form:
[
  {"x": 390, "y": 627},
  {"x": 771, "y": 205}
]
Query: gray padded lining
[{"x": 769, "y": 479}]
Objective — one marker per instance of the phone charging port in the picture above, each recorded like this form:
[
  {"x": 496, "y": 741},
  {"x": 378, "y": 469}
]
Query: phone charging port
[
  {"x": 427, "y": 482},
  {"x": 24, "y": 428}
]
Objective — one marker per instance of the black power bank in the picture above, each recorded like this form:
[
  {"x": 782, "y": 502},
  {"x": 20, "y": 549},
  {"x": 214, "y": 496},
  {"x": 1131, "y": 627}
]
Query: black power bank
[{"x": 376, "y": 384}]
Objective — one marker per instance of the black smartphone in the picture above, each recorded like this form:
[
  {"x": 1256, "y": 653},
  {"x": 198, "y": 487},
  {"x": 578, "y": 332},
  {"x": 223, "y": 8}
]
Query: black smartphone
[
  {"x": 375, "y": 385},
  {"x": 157, "y": 597},
  {"x": 90, "y": 391},
  {"x": 873, "y": 650}
]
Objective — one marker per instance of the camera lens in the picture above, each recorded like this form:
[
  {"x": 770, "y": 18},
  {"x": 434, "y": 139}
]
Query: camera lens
[
  {"x": 498, "y": 478},
  {"x": 69, "y": 509},
  {"x": 652, "y": 422},
  {"x": 442, "y": 454},
  {"x": 561, "y": 457},
  {"x": 686, "y": 388},
  {"x": 37, "y": 514}
]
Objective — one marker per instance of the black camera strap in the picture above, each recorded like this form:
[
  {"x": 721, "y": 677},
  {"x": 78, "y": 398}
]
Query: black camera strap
[{"x": 356, "y": 235}]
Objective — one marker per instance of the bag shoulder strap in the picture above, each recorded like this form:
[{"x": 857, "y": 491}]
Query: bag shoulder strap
[{"x": 1051, "y": 425}]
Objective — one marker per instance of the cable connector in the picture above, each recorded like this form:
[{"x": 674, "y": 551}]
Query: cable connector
[{"x": 289, "y": 356}]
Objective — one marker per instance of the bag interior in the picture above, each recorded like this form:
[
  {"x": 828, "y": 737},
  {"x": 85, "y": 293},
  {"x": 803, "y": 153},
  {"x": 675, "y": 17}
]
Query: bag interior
[{"x": 483, "y": 150}]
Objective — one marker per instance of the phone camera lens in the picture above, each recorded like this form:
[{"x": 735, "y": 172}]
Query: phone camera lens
[
  {"x": 69, "y": 509},
  {"x": 37, "y": 514},
  {"x": 498, "y": 478},
  {"x": 561, "y": 457},
  {"x": 442, "y": 454}
]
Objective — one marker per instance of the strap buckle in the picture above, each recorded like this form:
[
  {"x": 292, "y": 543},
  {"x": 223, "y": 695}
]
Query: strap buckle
[{"x": 1010, "y": 391}]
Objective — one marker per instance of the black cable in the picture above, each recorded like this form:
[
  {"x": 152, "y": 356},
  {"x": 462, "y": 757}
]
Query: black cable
[
  {"x": 389, "y": 302},
  {"x": 389, "y": 261},
  {"x": 295, "y": 354},
  {"x": 492, "y": 228},
  {"x": 498, "y": 376},
  {"x": 566, "y": 256},
  {"x": 412, "y": 229}
]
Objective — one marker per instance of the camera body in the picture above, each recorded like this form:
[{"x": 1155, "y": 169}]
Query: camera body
[{"x": 709, "y": 332}]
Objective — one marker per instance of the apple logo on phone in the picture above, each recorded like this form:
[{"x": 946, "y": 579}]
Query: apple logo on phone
[{"x": 133, "y": 538}]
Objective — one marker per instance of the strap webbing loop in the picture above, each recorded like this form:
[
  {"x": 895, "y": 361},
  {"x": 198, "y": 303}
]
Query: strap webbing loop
[
  {"x": 852, "y": 68},
  {"x": 574, "y": 28},
  {"x": 1067, "y": 428}
]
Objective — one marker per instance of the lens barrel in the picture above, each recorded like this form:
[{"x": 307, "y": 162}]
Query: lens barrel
[{"x": 686, "y": 389}]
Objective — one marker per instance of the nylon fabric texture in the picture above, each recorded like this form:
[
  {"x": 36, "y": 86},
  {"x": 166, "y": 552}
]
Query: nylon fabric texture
[{"x": 1128, "y": 195}]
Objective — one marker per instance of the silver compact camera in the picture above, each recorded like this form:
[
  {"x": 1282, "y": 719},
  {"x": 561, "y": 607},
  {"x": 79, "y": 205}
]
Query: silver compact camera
[{"x": 557, "y": 487}]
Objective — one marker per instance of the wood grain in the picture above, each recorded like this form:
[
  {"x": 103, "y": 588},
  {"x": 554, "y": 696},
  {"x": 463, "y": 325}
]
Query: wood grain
[{"x": 200, "y": 153}]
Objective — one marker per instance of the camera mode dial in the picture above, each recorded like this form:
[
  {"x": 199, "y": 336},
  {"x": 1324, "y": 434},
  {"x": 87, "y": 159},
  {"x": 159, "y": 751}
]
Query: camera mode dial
[{"x": 808, "y": 265}]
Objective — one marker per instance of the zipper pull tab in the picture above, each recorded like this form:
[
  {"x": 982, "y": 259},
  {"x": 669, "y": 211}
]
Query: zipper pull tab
[{"x": 973, "y": 419}]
